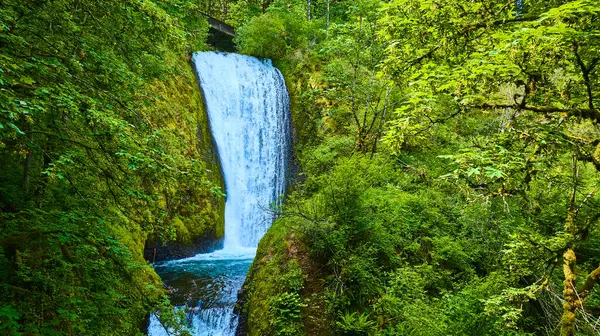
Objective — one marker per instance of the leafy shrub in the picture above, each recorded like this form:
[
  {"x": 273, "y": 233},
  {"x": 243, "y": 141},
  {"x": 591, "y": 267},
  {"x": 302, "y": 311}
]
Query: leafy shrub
[
  {"x": 9, "y": 317},
  {"x": 286, "y": 309},
  {"x": 275, "y": 34},
  {"x": 241, "y": 12},
  {"x": 355, "y": 324}
]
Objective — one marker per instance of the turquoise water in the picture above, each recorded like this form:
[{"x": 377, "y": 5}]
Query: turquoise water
[{"x": 206, "y": 286}]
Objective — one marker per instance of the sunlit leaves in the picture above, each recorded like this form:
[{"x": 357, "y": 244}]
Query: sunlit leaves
[{"x": 520, "y": 70}]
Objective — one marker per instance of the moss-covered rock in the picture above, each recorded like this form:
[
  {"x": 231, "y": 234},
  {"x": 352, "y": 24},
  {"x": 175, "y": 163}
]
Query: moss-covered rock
[
  {"x": 199, "y": 223},
  {"x": 284, "y": 291}
]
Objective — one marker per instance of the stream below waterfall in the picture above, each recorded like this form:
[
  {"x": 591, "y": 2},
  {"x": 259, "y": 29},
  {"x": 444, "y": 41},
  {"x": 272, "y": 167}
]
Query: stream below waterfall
[{"x": 248, "y": 109}]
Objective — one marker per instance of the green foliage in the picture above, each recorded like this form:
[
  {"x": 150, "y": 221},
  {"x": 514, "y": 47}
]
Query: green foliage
[
  {"x": 275, "y": 34},
  {"x": 355, "y": 324},
  {"x": 285, "y": 308},
  {"x": 449, "y": 155},
  {"x": 242, "y": 12},
  {"x": 189, "y": 16},
  {"x": 274, "y": 304},
  {"x": 100, "y": 153},
  {"x": 9, "y": 317},
  {"x": 530, "y": 75}
]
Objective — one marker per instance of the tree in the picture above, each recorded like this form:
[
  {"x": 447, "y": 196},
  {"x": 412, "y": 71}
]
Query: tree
[
  {"x": 353, "y": 77},
  {"x": 91, "y": 165},
  {"x": 533, "y": 70}
]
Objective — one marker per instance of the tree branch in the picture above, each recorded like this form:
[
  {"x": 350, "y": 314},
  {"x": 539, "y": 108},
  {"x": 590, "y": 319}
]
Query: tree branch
[
  {"x": 592, "y": 114},
  {"x": 589, "y": 283},
  {"x": 585, "y": 72}
]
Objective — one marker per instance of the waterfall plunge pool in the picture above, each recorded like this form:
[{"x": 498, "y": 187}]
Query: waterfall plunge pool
[{"x": 206, "y": 286}]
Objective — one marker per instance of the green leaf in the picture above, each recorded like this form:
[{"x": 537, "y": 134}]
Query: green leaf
[
  {"x": 493, "y": 172},
  {"x": 473, "y": 171},
  {"x": 16, "y": 128},
  {"x": 27, "y": 80}
]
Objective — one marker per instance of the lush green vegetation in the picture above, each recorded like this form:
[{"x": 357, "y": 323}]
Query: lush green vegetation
[
  {"x": 449, "y": 154},
  {"x": 99, "y": 153}
]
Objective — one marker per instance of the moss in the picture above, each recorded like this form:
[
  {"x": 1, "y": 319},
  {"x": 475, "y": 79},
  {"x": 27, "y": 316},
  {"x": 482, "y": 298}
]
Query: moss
[
  {"x": 207, "y": 147},
  {"x": 281, "y": 270},
  {"x": 180, "y": 108},
  {"x": 265, "y": 281},
  {"x": 283, "y": 267}
]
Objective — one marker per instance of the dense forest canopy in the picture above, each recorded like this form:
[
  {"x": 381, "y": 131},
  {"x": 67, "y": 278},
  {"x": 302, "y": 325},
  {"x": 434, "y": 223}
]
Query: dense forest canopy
[
  {"x": 449, "y": 155},
  {"x": 93, "y": 159},
  {"x": 450, "y": 167}
]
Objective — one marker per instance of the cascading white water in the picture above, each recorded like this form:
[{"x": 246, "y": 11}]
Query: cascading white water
[{"x": 248, "y": 109}]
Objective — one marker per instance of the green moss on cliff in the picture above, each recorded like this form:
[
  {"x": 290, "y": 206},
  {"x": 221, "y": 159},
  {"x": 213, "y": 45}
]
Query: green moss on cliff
[
  {"x": 98, "y": 140},
  {"x": 179, "y": 110},
  {"x": 284, "y": 290}
]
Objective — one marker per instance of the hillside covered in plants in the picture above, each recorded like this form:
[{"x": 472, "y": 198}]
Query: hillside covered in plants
[
  {"x": 100, "y": 154},
  {"x": 449, "y": 169}
]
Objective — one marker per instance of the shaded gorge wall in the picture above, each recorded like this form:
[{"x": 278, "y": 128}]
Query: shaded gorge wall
[{"x": 202, "y": 229}]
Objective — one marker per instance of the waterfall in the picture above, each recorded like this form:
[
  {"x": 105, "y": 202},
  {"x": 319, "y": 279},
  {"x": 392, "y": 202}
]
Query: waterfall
[{"x": 248, "y": 110}]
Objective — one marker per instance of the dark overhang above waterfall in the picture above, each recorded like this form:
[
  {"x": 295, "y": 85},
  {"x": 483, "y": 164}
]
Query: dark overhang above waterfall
[
  {"x": 220, "y": 26},
  {"x": 220, "y": 35}
]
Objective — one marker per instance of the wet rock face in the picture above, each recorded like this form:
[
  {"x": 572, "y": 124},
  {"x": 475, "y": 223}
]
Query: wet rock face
[{"x": 156, "y": 251}]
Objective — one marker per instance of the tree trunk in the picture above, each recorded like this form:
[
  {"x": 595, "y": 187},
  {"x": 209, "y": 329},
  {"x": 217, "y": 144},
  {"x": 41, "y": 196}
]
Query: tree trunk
[
  {"x": 26, "y": 169},
  {"x": 572, "y": 301},
  {"x": 27, "y": 164},
  {"x": 567, "y": 323},
  {"x": 327, "y": 24}
]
